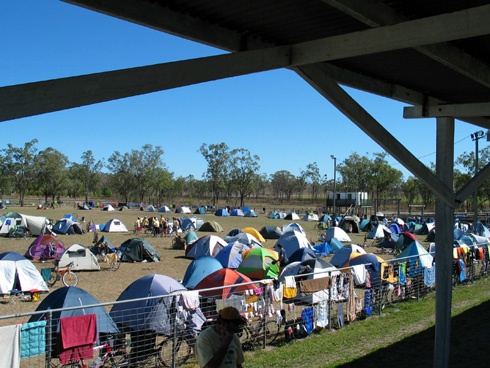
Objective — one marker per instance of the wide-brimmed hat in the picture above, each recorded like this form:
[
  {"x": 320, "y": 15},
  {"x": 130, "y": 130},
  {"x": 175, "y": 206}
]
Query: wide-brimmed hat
[{"x": 232, "y": 314}]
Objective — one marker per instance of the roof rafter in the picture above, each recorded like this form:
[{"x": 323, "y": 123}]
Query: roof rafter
[{"x": 374, "y": 13}]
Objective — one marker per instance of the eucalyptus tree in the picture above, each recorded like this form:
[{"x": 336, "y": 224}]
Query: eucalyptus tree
[
  {"x": 88, "y": 172},
  {"x": 52, "y": 172},
  {"x": 355, "y": 172},
  {"x": 144, "y": 165},
  {"x": 465, "y": 169},
  {"x": 163, "y": 184},
  {"x": 243, "y": 170},
  {"x": 283, "y": 184},
  {"x": 19, "y": 166},
  {"x": 218, "y": 158},
  {"x": 122, "y": 178},
  {"x": 312, "y": 177},
  {"x": 384, "y": 177},
  {"x": 410, "y": 190}
]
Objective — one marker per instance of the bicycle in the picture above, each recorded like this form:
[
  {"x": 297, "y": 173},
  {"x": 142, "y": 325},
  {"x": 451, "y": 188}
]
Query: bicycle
[
  {"x": 66, "y": 275},
  {"x": 51, "y": 250},
  {"x": 254, "y": 335},
  {"x": 19, "y": 232},
  {"x": 110, "y": 357}
]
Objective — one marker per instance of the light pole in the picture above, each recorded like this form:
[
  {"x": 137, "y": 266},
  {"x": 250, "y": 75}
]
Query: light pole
[
  {"x": 334, "y": 181},
  {"x": 475, "y": 137}
]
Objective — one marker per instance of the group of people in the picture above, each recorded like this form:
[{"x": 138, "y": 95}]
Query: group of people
[{"x": 157, "y": 226}]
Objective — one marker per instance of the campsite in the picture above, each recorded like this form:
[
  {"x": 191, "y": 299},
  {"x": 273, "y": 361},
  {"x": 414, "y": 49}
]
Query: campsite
[{"x": 106, "y": 286}]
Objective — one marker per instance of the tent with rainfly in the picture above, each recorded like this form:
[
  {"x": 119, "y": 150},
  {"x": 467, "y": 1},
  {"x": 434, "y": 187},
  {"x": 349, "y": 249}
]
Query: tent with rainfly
[
  {"x": 164, "y": 209},
  {"x": 271, "y": 232},
  {"x": 36, "y": 224},
  {"x": 67, "y": 297},
  {"x": 416, "y": 251},
  {"x": 337, "y": 233},
  {"x": 291, "y": 216},
  {"x": 378, "y": 232},
  {"x": 222, "y": 212},
  {"x": 154, "y": 314},
  {"x": 302, "y": 254},
  {"x": 138, "y": 250},
  {"x": 244, "y": 238},
  {"x": 45, "y": 246},
  {"x": 251, "y": 213},
  {"x": 224, "y": 277},
  {"x": 200, "y": 211},
  {"x": 254, "y": 232},
  {"x": 292, "y": 241},
  {"x": 237, "y": 212},
  {"x": 207, "y": 245},
  {"x": 81, "y": 257},
  {"x": 17, "y": 272},
  {"x": 259, "y": 263},
  {"x": 198, "y": 269},
  {"x": 342, "y": 256},
  {"x": 310, "y": 216},
  {"x": 115, "y": 226},
  {"x": 231, "y": 255},
  {"x": 68, "y": 227}
]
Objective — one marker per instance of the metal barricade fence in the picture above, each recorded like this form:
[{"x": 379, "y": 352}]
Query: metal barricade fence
[{"x": 162, "y": 330}]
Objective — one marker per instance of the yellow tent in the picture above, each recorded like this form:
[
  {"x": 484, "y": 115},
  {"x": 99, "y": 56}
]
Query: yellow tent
[{"x": 252, "y": 231}]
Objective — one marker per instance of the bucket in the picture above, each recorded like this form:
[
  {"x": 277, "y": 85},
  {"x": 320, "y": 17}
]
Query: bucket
[{"x": 35, "y": 296}]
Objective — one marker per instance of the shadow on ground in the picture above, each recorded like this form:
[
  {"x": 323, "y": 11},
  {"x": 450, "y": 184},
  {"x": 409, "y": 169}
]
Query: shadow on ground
[{"x": 470, "y": 337}]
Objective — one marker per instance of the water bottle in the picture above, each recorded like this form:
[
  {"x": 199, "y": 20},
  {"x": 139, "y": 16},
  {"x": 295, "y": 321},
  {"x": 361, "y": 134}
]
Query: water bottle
[{"x": 97, "y": 363}]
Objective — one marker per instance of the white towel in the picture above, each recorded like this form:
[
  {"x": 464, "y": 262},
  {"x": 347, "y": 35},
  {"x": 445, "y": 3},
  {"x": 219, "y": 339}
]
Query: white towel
[
  {"x": 191, "y": 299},
  {"x": 290, "y": 282},
  {"x": 10, "y": 343},
  {"x": 359, "y": 274}
]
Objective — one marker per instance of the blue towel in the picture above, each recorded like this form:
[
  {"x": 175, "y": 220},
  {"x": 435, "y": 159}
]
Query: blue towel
[
  {"x": 462, "y": 275},
  {"x": 307, "y": 316},
  {"x": 32, "y": 339},
  {"x": 46, "y": 274},
  {"x": 430, "y": 276},
  {"x": 368, "y": 302}
]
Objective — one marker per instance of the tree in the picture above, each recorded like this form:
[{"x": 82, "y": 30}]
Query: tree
[
  {"x": 283, "y": 184},
  {"x": 122, "y": 178},
  {"x": 312, "y": 176},
  {"x": 144, "y": 164},
  {"x": 19, "y": 165},
  {"x": 243, "y": 169},
  {"x": 217, "y": 157},
  {"x": 163, "y": 184},
  {"x": 464, "y": 171},
  {"x": 355, "y": 172},
  {"x": 409, "y": 188},
  {"x": 52, "y": 168},
  {"x": 88, "y": 172},
  {"x": 383, "y": 176}
]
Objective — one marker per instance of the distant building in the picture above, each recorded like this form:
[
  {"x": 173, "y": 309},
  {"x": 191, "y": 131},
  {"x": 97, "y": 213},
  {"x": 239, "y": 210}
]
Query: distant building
[{"x": 346, "y": 199}]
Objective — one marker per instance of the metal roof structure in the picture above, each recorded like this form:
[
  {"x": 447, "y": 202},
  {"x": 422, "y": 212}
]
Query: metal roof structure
[{"x": 432, "y": 55}]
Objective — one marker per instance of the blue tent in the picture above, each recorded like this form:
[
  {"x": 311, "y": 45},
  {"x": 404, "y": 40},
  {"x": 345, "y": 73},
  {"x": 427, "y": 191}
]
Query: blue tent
[
  {"x": 457, "y": 233},
  {"x": 190, "y": 236},
  {"x": 99, "y": 246},
  {"x": 325, "y": 218},
  {"x": 231, "y": 255},
  {"x": 222, "y": 212},
  {"x": 71, "y": 217},
  {"x": 237, "y": 212},
  {"x": 275, "y": 216},
  {"x": 251, "y": 213},
  {"x": 343, "y": 255},
  {"x": 72, "y": 296},
  {"x": 153, "y": 314},
  {"x": 199, "y": 269},
  {"x": 335, "y": 244},
  {"x": 416, "y": 251},
  {"x": 67, "y": 226},
  {"x": 394, "y": 228},
  {"x": 364, "y": 225},
  {"x": 234, "y": 232},
  {"x": 200, "y": 211},
  {"x": 322, "y": 249},
  {"x": 302, "y": 254},
  {"x": 187, "y": 224}
]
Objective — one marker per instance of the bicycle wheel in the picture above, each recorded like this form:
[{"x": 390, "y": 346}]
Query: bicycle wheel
[
  {"x": 53, "y": 279},
  {"x": 70, "y": 279},
  {"x": 271, "y": 332},
  {"x": 119, "y": 358},
  {"x": 115, "y": 264},
  {"x": 36, "y": 252},
  {"x": 182, "y": 352}
]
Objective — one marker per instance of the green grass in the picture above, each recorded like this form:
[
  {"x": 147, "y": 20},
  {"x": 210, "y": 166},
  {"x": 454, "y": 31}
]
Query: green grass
[{"x": 360, "y": 338}]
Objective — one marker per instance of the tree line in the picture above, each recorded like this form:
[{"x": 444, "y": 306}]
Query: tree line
[{"x": 231, "y": 174}]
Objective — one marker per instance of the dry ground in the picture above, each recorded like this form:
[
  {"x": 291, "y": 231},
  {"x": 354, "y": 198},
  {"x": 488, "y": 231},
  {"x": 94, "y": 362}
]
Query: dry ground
[{"x": 106, "y": 285}]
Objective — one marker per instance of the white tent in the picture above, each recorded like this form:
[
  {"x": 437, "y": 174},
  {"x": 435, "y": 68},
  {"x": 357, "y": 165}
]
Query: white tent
[
  {"x": 164, "y": 209},
  {"x": 115, "y": 226},
  {"x": 337, "y": 233},
  {"x": 294, "y": 226},
  {"x": 36, "y": 224},
  {"x": 310, "y": 217},
  {"x": 183, "y": 209},
  {"x": 378, "y": 232},
  {"x": 292, "y": 216},
  {"x": 15, "y": 267},
  {"x": 150, "y": 208},
  {"x": 108, "y": 207},
  {"x": 82, "y": 258}
]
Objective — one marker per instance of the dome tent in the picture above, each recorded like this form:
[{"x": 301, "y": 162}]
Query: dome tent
[
  {"x": 81, "y": 257},
  {"x": 198, "y": 269},
  {"x": 138, "y": 250},
  {"x": 17, "y": 272},
  {"x": 211, "y": 226},
  {"x": 115, "y": 226}
]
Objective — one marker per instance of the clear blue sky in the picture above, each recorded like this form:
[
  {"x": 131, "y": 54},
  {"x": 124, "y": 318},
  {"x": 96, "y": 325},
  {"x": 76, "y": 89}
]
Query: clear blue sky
[{"x": 275, "y": 115}]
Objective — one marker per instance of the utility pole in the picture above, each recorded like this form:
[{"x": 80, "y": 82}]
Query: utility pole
[
  {"x": 334, "y": 181},
  {"x": 475, "y": 137}
]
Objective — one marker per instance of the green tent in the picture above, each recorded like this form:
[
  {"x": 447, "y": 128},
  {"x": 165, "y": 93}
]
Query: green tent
[
  {"x": 211, "y": 226},
  {"x": 138, "y": 250}
]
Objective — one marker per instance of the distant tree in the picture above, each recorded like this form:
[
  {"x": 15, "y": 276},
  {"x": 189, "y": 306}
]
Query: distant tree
[
  {"x": 260, "y": 185},
  {"x": 163, "y": 184},
  {"x": 19, "y": 165},
  {"x": 283, "y": 184},
  {"x": 242, "y": 172},
  {"x": 312, "y": 176},
  {"x": 409, "y": 188},
  {"x": 106, "y": 192},
  {"x": 88, "y": 172},
  {"x": 144, "y": 164},
  {"x": 464, "y": 171},
  {"x": 384, "y": 177},
  {"x": 426, "y": 194},
  {"x": 52, "y": 172},
  {"x": 123, "y": 176},
  {"x": 356, "y": 173},
  {"x": 217, "y": 157}
]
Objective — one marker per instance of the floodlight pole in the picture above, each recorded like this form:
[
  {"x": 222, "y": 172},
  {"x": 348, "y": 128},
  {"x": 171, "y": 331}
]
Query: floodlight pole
[
  {"x": 475, "y": 137},
  {"x": 334, "y": 181}
]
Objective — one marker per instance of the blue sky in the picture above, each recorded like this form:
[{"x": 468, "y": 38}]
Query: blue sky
[{"x": 275, "y": 115}]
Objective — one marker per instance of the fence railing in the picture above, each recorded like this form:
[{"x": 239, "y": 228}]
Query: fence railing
[{"x": 162, "y": 330}]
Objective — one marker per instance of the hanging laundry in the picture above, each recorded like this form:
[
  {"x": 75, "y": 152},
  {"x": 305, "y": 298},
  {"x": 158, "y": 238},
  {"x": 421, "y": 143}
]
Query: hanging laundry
[
  {"x": 430, "y": 276},
  {"x": 322, "y": 314},
  {"x": 368, "y": 301},
  {"x": 307, "y": 316},
  {"x": 32, "y": 339},
  {"x": 340, "y": 315},
  {"x": 10, "y": 343}
]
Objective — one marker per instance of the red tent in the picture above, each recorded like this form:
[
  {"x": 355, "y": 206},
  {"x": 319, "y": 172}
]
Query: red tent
[{"x": 223, "y": 277}]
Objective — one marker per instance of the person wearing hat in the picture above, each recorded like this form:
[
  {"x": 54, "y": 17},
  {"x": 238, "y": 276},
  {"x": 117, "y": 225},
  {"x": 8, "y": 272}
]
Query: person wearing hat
[{"x": 219, "y": 346}]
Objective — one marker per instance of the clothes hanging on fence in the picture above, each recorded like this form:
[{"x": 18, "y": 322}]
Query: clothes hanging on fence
[
  {"x": 308, "y": 315},
  {"x": 368, "y": 301},
  {"x": 190, "y": 299},
  {"x": 290, "y": 290},
  {"x": 402, "y": 272},
  {"x": 430, "y": 276},
  {"x": 313, "y": 285},
  {"x": 10, "y": 343},
  {"x": 368, "y": 279},
  {"x": 462, "y": 273},
  {"x": 322, "y": 314},
  {"x": 340, "y": 315},
  {"x": 359, "y": 272},
  {"x": 32, "y": 339},
  {"x": 351, "y": 302},
  {"x": 334, "y": 289},
  {"x": 388, "y": 273},
  {"x": 78, "y": 335}
]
